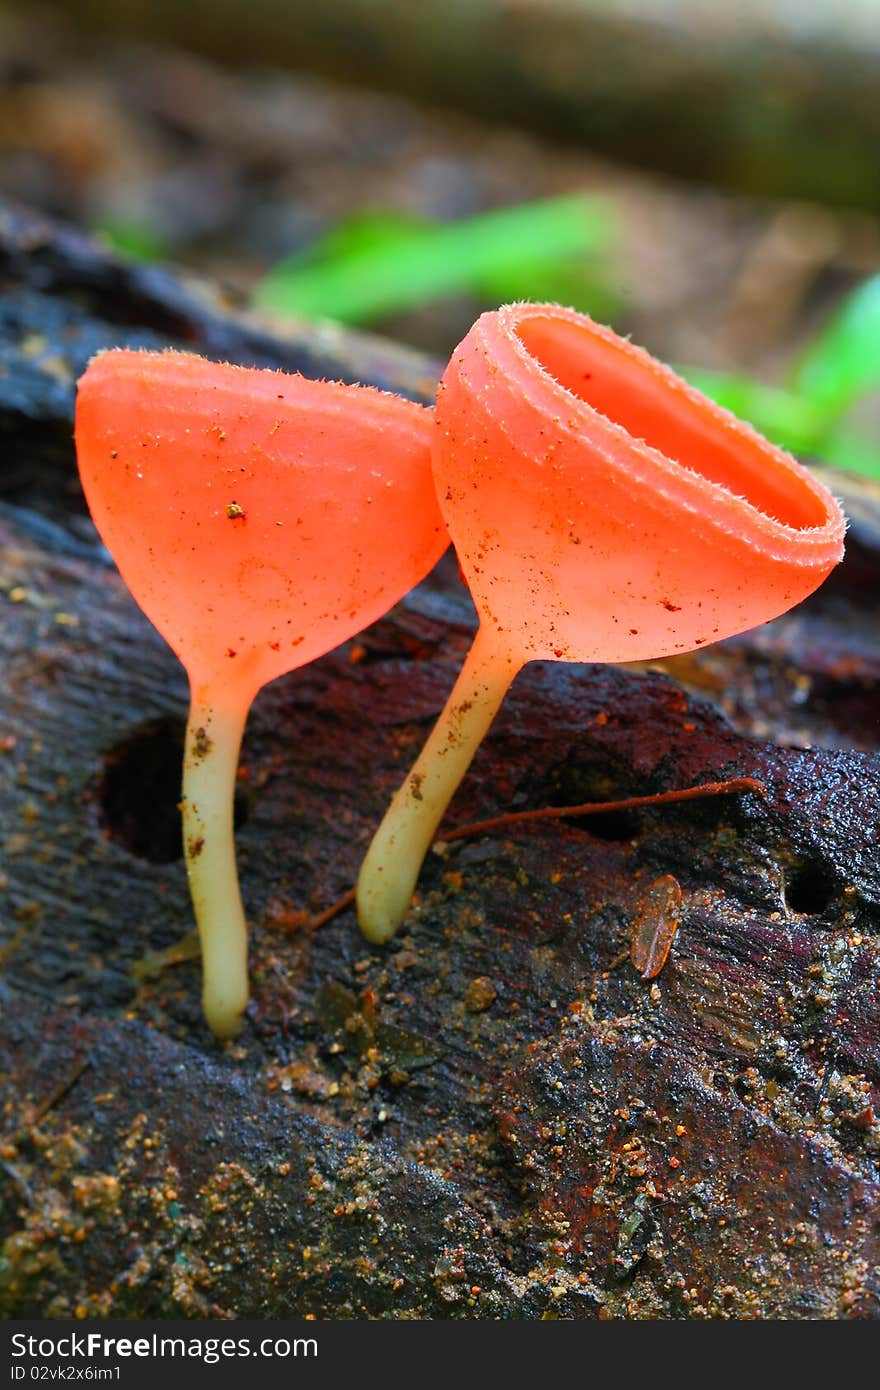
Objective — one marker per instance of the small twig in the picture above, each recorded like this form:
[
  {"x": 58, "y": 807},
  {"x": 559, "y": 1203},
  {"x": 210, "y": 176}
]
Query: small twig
[
  {"x": 592, "y": 808},
  {"x": 825, "y": 1081},
  {"x": 54, "y": 1098},
  {"x": 332, "y": 911},
  {"x": 151, "y": 967},
  {"x": 63, "y": 1089},
  {"x": 618, "y": 960},
  {"x": 18, "y": 1182},
  {"x": 12, "y": 1140},
  {"x": 587, "y": 808}
]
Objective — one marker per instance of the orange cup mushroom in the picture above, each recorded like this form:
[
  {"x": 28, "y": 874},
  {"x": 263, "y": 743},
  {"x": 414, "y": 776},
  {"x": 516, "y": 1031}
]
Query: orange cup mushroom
[
  {"x": 249, "y": 513},
  {"x": 602, "y": 510}
]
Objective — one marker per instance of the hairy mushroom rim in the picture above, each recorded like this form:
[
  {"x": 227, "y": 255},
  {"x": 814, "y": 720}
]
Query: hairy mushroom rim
[{"x": 684, "y": 432}]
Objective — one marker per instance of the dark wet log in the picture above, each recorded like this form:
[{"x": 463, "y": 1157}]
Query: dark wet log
[
  {"x": 767, "y": 98},
  {"x": 495, "y": 1116}
]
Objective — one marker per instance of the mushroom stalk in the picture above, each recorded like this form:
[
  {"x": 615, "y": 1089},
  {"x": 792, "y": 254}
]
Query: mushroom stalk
[
  {"x": 249, "y": 513},
  {"x": 210, "y": 764},
  {"x": 391, "y": 868},
  {"x": 601, "y": 510}
]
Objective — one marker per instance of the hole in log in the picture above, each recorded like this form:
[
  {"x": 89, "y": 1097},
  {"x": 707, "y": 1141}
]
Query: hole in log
[
  {"x": 139, "y": 792},
  {"x": 810, "y": 889}
]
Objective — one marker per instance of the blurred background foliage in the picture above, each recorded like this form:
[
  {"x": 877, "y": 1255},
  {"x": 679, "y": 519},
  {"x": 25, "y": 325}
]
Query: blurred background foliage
[{"x": 705, "y": 178}]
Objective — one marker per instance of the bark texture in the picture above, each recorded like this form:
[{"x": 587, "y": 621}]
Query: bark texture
[{"x": 495, "y": 1116}]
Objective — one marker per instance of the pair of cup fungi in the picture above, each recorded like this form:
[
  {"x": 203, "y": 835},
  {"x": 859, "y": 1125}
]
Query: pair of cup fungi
[{"x": 601, "y": 508}]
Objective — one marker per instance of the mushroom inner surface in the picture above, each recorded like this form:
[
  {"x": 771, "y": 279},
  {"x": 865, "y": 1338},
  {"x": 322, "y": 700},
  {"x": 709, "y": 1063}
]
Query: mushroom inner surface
[{"x": 632, "y": 391}]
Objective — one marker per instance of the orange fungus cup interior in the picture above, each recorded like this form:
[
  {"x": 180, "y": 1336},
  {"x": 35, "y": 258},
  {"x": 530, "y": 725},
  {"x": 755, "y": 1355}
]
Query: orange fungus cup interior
[
  {"x": 251, "y": 512},
  {"x": 602, "y": 509}
]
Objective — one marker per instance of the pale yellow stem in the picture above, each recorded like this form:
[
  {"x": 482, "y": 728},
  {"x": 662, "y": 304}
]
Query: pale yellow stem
[
  {"x": 210, "y": 763},
  {"x": 391, "y": 868}
]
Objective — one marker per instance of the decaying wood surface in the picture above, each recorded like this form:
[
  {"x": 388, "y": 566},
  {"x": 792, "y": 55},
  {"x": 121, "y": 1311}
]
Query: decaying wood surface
[
  {"x": 764, "y": 96},
  {"x": 495, "y": 1116}
]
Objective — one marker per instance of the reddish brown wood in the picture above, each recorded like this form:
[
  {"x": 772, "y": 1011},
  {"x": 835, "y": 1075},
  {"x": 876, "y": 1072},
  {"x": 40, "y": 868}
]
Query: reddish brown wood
[{"x": 494, "y": 1117}]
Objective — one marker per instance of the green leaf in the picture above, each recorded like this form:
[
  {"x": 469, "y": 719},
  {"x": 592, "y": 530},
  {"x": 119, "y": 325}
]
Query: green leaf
[
  {"x": 136, "y": 240},
  {"x": 852, "y": 451},
  {"x": 376, "y": 229},
  {"x": 843, "y": 362},
  {"x": 381, "y": 263}
]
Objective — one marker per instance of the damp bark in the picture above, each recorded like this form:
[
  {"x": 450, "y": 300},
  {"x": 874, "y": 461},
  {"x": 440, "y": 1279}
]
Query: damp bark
[{"x": 495, "y": 1116}]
